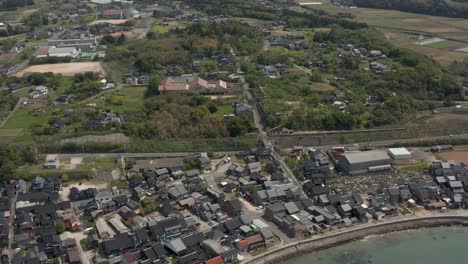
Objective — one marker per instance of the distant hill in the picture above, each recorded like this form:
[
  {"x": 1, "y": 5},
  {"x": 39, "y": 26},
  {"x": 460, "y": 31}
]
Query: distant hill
[
  {"x": 447, "y": 8},
  {"x": 13, "y": 4}
]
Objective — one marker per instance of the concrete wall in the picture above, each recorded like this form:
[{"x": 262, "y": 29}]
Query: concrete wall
[{"x": 314, "y": 244}]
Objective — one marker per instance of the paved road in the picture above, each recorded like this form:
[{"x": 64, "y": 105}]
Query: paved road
[
  {"x": 148, "y": 22},
  {"x": 20, "y": 66},
  {"x": 266, "y": 45},
  {"x": 17, "y": 106},
  {"x": 141, "y": 155},
  {"x": 212, "y": 177},
  {"x": 260, "y": 125},
  {"x": 255, "y": 213},
  {"x": 10, "y": 228}
]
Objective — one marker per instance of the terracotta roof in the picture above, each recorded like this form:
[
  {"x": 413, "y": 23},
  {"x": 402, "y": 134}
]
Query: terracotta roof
[
  {"x": 111, "y": 12},
  {"x": 199, "y": 81},
  {"x": 42, "y": 51},
  {"x": 254, "y": 239},
  {"x": 243, "y": 243},
  {"x": 73, "y": 255},
  {"x": 215, "y": 260},
  {"x": 169, "y": 84}
]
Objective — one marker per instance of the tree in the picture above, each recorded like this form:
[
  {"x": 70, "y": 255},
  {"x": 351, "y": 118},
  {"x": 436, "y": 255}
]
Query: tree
[
  {"x": 121, "y": 39},
  {"x": 59, "y": 227},
  {"x": 240, "y": 125},
  {"x": 199, "y": 112},
  {"x": 65, "y": 177},
  {"x": 349, "y": 63},
  {"x": 148, "y": 206},
  {"x": 212, "y": 107},
  {"x": 154, "y": 81},
  {"x": 315, "y": 76}
]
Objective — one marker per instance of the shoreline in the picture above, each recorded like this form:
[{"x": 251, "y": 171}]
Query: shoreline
[{"x": 347, "y": 236}]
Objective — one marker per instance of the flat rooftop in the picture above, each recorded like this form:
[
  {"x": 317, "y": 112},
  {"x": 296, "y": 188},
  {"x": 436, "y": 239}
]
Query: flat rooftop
[{"x": 366, "y": 156}]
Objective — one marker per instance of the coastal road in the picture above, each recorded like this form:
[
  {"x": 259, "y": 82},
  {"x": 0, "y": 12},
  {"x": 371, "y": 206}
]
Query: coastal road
[
  {"x": 256, "y": 213},
  {"x": 429, "y": 218}
]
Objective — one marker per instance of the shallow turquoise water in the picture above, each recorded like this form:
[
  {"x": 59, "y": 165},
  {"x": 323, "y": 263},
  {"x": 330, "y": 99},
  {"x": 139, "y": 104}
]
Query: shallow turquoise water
[{"x": 441, "y": 245}]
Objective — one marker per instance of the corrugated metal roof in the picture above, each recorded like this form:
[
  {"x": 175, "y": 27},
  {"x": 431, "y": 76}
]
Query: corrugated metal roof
[{"x": 366, "y": 156}]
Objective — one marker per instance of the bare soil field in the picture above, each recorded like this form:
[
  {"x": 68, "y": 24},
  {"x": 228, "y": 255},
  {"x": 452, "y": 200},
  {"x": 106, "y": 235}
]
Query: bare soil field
[
  {"x": 128, "y": 34},
  {"x": 65, "y": 69},
  {"x": 10, "y": 132},
  {"x": 116, "y": 138},
  {"x": 109, "y": 21},
  {"x": 445, "y": 121},
  {"x": 5, "y": 57},
  {"x": 460, "y": 155}
]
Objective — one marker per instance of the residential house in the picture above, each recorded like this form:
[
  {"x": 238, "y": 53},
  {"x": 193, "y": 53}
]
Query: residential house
[
  {"x": 232, "y": 207},
  {"x": 38, "y": 92}
]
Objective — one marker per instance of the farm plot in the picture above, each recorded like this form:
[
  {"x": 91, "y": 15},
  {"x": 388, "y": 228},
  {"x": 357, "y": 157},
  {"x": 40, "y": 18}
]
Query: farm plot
[{"x": 459, "y": 155}]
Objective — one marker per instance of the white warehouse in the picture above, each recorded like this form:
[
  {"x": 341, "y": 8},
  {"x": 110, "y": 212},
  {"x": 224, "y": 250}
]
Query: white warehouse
[{"x": 399, "y": 153}]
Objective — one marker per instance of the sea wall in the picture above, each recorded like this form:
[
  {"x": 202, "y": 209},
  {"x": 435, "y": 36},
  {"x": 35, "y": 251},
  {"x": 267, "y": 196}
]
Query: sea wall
[{"x": 349, "y": 235}]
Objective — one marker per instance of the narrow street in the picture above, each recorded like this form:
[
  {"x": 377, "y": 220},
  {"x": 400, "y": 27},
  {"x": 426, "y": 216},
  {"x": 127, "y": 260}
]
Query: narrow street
[
  {"x": 10, "y": 227},
  {"x": 260, "y": 125}
]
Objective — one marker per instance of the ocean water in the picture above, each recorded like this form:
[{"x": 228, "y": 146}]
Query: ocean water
[{"x": 440, "y": 245}]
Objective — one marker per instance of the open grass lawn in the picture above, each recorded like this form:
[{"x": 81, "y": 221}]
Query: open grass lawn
[
  {"x": 444, "y": 44},
  {"x": 418, "y": 167},
  {"x": 23, "y": 120},
  {"x": 251, "y": 21},
  {"x": 225, "y": 110},
  {"x": 225, "y": 105},
  {"x": 64, "y": 84},
  {"x": 126, "y": 99},
  {"x": 161, "y": 28},
  {"x": 322, "y": 87},
  {"x": 25, "y": 117}
]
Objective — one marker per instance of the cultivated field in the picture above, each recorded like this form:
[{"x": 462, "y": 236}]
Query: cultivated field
[
  {"x": 127, "y": 34},
  {"x": 322, "y": 87},
  {"x": 116, "y": 138},
  {"x": 65, "y": 69},
  {"x": 445, "y": 121},
  {"x": 404, "y": 28},
  {"x": 459, "y": 155},
  {"x": 109, "y": 21}
]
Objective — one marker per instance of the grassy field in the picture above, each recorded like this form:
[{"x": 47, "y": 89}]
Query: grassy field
[
  {"x": 126, "y": 99},
  {"x": 322, "y": 87},
  {"x": 161, "y": 28},
  {"x": 23, "y": 120},
  {"x": 205, "y": 145},
  {"x": 444, "y": 44},
  {"x": 418, "y": 167}
]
